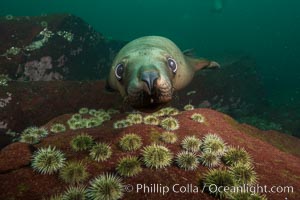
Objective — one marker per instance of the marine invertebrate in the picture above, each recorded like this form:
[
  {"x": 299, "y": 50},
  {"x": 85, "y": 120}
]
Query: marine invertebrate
[
  {"x": 3, "y": 80},
  {"x": 210, "y": 159},
  {"x": 129, "y": 166},
  {"x": 170, "y": 111},
  {"x": 75, "y": 193},
  {"x": 93, "y": 122},
  {"x": 187, "y": 160},
  {"x": 30, "y": 138},
  {"x": 93, "y": 112},
  {"x": 48, "y": 160},
  {"x": 157, "y": 156},
  {"x": 100, "y": 152},
  {"x": 55, "y": 197},
  {"x": 57, "y": 128},
  {"x": 191, "y": 143},
  {"x": 168, "y": 137},
  {"x": 130, "y": 142},
  {"x": 76, "y": 116},
  {"x": 122, "y": 124},
  {"x": 82, "y": 142},
  {"x": 151, "y": 120},
  {"x": 135, "y": 118},
  {"x": 9, "y": 17},
  {"x": 83, "y": 111},
  {"x": 198, "y": 117},
  {"x": 218, "y": 178},
  {"x": 244, "y": 174},
  {"x": 112, "y": 111},
  {"x": 44, "y": 24},
  {"x": 188, "y": 107},
  {"x": 236, "y": 155},
  {"x": 73, "y": 172},
  {"x": 170, "y": 124},
  {"x": 106, "y": 186},
  {"x": 213, "y": 143}
]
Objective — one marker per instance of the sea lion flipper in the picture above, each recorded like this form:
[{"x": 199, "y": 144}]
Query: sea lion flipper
[{"x": 201, "y": 63}]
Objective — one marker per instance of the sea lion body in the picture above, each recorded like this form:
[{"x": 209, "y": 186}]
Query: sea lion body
[{"x": 149, "y": 69}]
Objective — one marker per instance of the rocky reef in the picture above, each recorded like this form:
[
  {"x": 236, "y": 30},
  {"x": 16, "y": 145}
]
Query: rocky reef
[{"x": 165, "y": 154}]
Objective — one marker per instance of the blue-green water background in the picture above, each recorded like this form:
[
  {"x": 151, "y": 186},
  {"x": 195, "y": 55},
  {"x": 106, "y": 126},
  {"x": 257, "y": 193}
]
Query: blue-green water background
[{"x": 267, "y": 30}]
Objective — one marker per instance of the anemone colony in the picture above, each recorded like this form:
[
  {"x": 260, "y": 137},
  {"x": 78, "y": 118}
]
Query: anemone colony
[{"x": 210, "y": 151}]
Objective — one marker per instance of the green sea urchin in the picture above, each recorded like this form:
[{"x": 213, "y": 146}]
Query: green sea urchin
[
  {"x": 76, "y": 116},
  {"x": 40, "y": 132},
  {"x": 122, "y": 124},
  {"x": 220, "y": 179},
  {"x": 106, "y": 187},
  {"x": 157, "y": 156},
  {"x": 210, "y": 159},
  {"x": 130, "y": 142},
  {"x": 214, "y": 144},
  {"x": 30, "y": 138},
  {"x": 83, "y": 111},
  {"x": 187, "y": 160},
  {"x": 243, "y": 174},
  {"x": 236, "y": 155},
  {"x": 129, "y": 166},
  {"x": 100, "y": 152},
  {"x": 75, "y": 193},
  {"x": 47, "y": 160},
  {"x": 191, "y": 143},
  {"x": 198, "y": 117},
  {"x": 57, "y": 128},
  {"x": 170, "y": 124},
  {"x": 73, "y": 172},
  {"x": 168, "y": 137},
  {"x": 135, "y": 118},
  {"x": 82, "y": 142},
  {"x": 151, "y": 120},
  {"x": 188, "y": 107}
]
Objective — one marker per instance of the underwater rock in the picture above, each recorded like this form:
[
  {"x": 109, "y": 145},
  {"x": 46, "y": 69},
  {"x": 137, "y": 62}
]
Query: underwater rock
[
  {"x": 266, "y": 158},
  {"x": 34, "y": 103},
  {"x": 235, "y": 89},
  {"x": 53, "y": 47},
  {"x": 15, "y": 156}
]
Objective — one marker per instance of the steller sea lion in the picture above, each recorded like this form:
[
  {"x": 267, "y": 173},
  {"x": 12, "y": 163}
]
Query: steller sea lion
[{"x": 149, "y": 69}]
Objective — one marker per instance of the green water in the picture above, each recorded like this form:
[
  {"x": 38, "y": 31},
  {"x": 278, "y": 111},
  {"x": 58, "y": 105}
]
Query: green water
[{"x": 267, "y": 30}]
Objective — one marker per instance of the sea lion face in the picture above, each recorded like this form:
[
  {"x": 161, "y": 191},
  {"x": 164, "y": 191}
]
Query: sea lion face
[
  {"x": 149, "y": 69},
  {"x": 145, "y": 77}
]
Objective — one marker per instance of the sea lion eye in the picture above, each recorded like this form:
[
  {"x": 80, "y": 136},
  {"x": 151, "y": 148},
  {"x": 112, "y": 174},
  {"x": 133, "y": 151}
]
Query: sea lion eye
[
  {"x": 119, "y": 70},
  {"x": 172, "y": 64}
]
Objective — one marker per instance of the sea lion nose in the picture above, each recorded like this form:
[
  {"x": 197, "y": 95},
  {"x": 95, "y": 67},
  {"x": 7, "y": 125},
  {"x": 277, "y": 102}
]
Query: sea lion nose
[{"x": 149, "y": 77}]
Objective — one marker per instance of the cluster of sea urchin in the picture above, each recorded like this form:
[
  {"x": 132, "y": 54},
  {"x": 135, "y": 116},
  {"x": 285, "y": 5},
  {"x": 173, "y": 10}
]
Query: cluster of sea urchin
[{"x": 32, "y": 135}]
